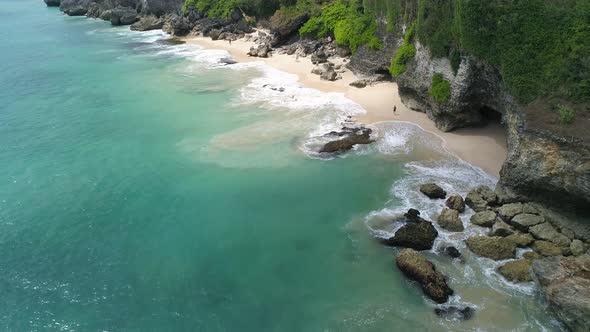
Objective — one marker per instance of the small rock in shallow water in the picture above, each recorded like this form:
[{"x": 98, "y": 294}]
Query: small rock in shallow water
[
  {"x": 454, "y": 312},
  {"x": 449, "y": 220},
  {"x": 456, "y": 202},
  {"x": 452, "y": 252},
  {"x": 432, "y": 190},
  {"x": 419, "y": 235},
  {"x": 362, "y": 136}
]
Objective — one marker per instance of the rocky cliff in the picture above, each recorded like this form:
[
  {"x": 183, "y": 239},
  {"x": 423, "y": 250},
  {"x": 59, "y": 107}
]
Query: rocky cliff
[
  {"x": 102, "y": 8},
  {"x": 544, "y": 165}
]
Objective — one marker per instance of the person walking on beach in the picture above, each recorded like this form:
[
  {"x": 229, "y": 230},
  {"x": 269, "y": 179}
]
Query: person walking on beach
[
  {"x": 229, "y": 41},
  {"x": 394, "y": 109}
]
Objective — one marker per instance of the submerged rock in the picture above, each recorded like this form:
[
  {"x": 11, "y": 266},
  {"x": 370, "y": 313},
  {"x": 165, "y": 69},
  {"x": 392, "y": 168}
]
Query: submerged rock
[
  {"x": 454, "y": 312},
  {"x": 565, "y": 282},
  {"x": 362, "y": 136},
  {"x": 449, "y": 220},
  {"x": 414, "y": 266},
  {"x": 517, "y": 271},
  {"x": 496, "y": 247},
  {"x": 483, "y": 218},
  {"x": 432, "y": 190},
  {"x": 456, "y": 202}
]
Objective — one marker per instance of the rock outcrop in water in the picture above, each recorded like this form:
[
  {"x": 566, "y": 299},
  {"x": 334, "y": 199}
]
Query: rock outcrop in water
[
  {"x": 416, "y": 267},
  {"x": 352, "y": 137},
  {"x": 52, "y": 3},
  {"x": 432, "y": 190},
  {"x": 417, "y": 233}
]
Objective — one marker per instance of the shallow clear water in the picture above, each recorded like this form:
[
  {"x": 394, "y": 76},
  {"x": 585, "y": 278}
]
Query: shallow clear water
[{"x": 145, "y": 187}]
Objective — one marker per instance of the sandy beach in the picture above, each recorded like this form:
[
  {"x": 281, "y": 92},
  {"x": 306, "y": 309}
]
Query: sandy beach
[{"x": 482, "y": 147}]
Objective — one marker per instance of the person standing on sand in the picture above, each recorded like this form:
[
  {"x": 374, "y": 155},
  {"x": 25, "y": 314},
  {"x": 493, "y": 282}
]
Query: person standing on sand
[
  {"x": 229, "y": 41},
  {"x": 394, "y": 109}
]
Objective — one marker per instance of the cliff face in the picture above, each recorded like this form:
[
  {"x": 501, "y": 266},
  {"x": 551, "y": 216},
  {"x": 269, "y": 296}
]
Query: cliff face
[{"x": 542, "y": 165}]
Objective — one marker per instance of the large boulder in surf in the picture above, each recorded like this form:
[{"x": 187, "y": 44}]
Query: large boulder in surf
[
  {"x": 52, "y": 3},
  {"x": 432, "y": 190},
  {"x": 456, "y": 202},
  {"x": 517, "y": 271},
  {"x": 455, "y": 313},
  {"x": 501, "y": 228},
  {"x": 147, "y": 23},
  {"x": 522, "y": 240},
  {"x": 414, "y": 266},
  {"x": 495, "y": 247},
  {"x": 419, "y": 235},
  {"x": 449, "y": 220},
  {"x": 565, "y": 283},
  {"x": 361, "y": 136},
  {"x": 123, "y": 16}
]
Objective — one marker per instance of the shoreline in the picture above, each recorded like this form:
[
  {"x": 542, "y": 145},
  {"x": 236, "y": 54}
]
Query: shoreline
[{"x": 483, "y": 147}]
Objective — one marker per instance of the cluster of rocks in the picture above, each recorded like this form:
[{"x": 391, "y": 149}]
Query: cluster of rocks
[
  {"x": 510, "y": 226},
  {"x": 328, "y": 71},
  {"x": 347, "y": 139}
]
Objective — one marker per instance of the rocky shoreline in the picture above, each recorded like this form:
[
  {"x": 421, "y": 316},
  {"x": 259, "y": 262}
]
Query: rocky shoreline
[{"x": 541, "y": 167}]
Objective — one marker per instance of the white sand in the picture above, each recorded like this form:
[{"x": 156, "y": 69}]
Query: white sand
[{"x": 482, "y": 147}]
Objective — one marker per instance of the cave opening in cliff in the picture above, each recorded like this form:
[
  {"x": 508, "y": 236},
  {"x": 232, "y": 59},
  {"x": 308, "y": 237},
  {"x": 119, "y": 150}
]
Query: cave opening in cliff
[{"x": 490, "y": 115}]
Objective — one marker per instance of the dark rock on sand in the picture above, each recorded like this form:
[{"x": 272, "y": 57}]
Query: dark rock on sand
[
  {"x": 432, "y": 190},
  {"x": 361, "y": 136},
  {"x": 565, "y": 282},
  {"x": 414, "y": 266},
  {"x": 454, "y": 312},
  {"x": 456, "y": 202},
  {"x": 577, "y": 247},
  {"x": 496, "y": 247},
  {"x": 177, "y": 25},
  {"x": 449, "y": 220},
  {"x": 359, "y": 83}
]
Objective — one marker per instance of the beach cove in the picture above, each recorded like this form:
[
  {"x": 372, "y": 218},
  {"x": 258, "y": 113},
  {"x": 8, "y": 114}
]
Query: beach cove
[{"x": 152, "y": 186}]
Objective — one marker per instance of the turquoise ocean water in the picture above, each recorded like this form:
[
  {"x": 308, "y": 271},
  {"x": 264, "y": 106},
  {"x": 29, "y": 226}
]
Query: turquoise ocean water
[{"x": 146, "y": 187}]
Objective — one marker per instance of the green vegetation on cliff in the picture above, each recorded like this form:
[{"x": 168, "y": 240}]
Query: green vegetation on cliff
[
  {"x": 404, "y": 53},
  {"x": 440, "y": 89},
  {"x": 348, "y": 22},
  {"x": 540, "y": 47}
]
